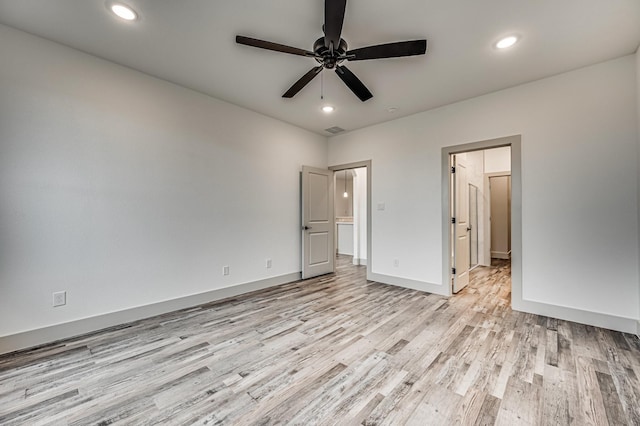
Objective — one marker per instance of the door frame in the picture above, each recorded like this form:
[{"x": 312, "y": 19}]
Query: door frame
[
  {"x": 356, "y": 165},
  {"x": 515, "y": 142}
]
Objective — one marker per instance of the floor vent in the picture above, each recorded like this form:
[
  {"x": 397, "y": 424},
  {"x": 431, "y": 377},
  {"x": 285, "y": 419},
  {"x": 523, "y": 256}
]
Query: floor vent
[{"x": 334, "y": 130}]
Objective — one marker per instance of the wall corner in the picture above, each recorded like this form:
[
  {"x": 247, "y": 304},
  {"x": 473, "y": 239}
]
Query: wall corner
[{"x": 638, "y": 162}]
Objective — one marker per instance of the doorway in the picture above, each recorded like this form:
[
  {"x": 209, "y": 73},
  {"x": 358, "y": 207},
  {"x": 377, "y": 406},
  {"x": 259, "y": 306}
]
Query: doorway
[
  {"x": 318, "y": 217},
  {"x": 347, "y": 212},
  {"x": 467, "y": 215},
  {"x": 480, "y": 206},
  {"x": 352, "y": 201}
]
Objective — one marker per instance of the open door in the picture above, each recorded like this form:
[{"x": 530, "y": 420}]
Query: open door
[
  {"x": 460, "y": 224},
  {"x": 318, "y": 223}
]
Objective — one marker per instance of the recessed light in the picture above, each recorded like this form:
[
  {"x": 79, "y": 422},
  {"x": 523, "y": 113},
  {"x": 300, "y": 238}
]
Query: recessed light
[
  {"x": 327, "y": 108},
  {"x": 124, "y": 12},
  {"x": 506, "y": 42},
  {"x": 391, "y": 110}
]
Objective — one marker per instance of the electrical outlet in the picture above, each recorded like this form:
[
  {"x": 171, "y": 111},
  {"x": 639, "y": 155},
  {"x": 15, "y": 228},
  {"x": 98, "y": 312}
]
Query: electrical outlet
[
  {"x": 381, "y": 206},
  {"x": 225, "y": 270},
  {"x": 268, "y": 264},
  {"x": 59, "y": 298},
  {"x": 396, "y": 262}
]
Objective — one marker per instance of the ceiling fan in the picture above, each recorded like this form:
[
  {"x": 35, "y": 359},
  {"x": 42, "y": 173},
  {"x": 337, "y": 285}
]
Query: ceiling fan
[{"x": 331, "y": 50}]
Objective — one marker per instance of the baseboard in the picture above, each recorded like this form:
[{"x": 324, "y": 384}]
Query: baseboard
[
  {"x": 501, "y": 255},
  {"x": 408, "y": 283},
  {"x": 596, "y": 319},
  {"x": 360, "y": 262},
  {"x": 41, "y": 336},
  {"x": 626, "y": 325},
  {"x": 638, "y": 329}
]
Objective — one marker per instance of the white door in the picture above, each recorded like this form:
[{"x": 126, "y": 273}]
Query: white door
[
  {"x": 460, "y": 225},
  {"x": 318, "y": 222}
]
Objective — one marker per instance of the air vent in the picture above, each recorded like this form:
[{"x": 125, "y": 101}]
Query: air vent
[{"x": 334, "y": 130}]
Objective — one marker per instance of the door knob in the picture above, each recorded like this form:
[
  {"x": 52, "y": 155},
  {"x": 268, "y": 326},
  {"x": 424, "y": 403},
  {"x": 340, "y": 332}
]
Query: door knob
[
  {"x": 306, "y": 228},
  {"x": 468, "y": 228}
]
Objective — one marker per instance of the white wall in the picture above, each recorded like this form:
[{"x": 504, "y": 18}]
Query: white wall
[
  {"x": 125, "y": 190},
  {"x": 579, "y": 185},
  {"x": 497, "y": 160}
]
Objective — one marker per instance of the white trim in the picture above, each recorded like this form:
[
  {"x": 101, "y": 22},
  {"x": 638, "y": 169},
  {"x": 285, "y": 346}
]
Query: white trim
[
  {"x": 638, "y": 329},
  {"x": 50, "y": 334},
  {"x": 359, "y": 262}
]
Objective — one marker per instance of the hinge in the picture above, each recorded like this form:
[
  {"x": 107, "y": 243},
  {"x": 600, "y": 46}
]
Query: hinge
[
  {"x": 453, "y": 271},
  {"x": 453, "y": 220},
  {"x": 453, "y": 169}
]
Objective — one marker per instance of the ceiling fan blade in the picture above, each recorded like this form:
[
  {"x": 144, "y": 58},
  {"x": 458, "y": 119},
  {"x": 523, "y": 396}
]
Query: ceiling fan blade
[
  {"x": 333, "y": 20},
  {"x": 353, "y": 83},
  {"x": 389, "y": 50},
  {"x": 298, "y": 85},
  {"x": 254, "y": 42}
]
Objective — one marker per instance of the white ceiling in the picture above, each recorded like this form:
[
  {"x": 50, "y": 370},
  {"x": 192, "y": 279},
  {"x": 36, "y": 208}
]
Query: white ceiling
[{"x": 192, "y": 43}]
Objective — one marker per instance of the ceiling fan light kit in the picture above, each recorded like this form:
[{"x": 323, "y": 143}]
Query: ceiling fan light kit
[{"x": 331, "y": 51}]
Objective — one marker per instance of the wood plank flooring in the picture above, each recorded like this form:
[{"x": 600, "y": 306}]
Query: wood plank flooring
[{"x": 334, "y": 350}]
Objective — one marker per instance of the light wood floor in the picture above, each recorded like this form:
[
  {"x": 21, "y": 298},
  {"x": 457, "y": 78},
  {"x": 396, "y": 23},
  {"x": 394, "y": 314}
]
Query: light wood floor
[{"x": 334, "y": 350}]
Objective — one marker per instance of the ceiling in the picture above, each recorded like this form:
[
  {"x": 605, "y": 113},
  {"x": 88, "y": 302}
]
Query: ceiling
[{"x": 192, "y": 43}]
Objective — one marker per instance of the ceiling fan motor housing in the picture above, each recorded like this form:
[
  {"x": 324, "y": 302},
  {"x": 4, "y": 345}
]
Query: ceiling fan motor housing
[{"x": 324, "y": 55}]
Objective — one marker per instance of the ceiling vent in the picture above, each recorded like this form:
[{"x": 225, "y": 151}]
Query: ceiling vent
[{"x": 334, "y": 130}]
